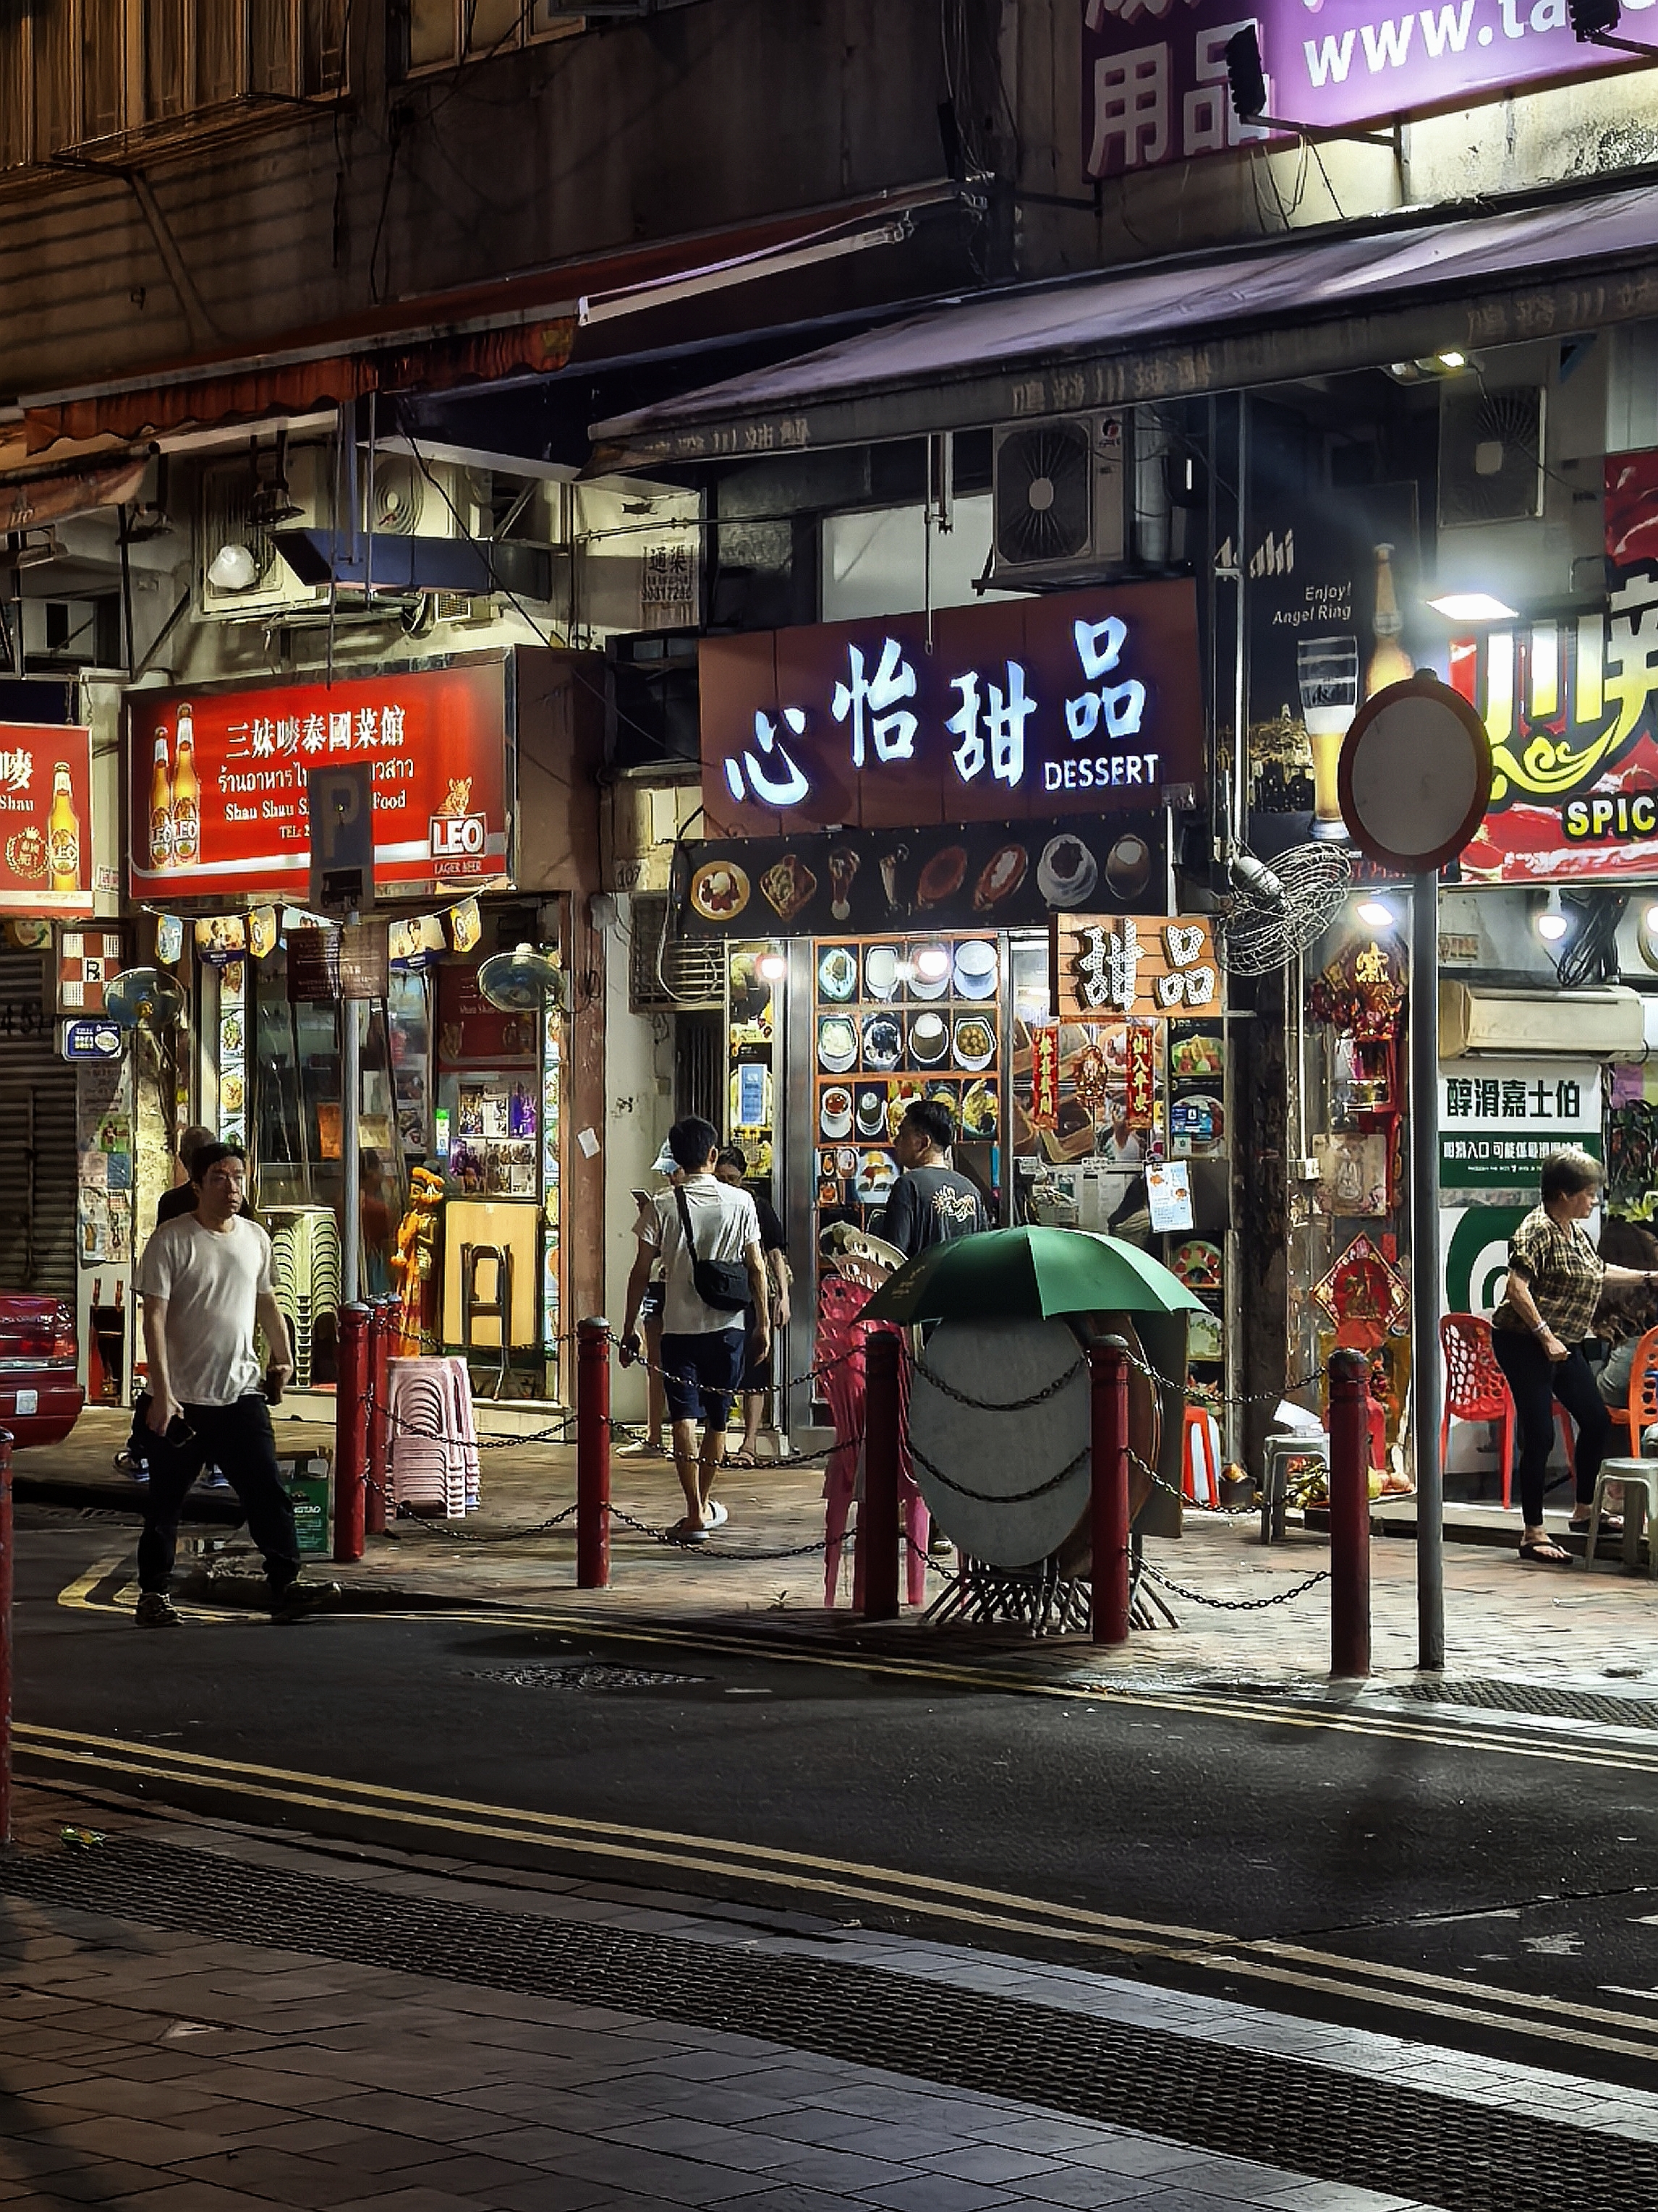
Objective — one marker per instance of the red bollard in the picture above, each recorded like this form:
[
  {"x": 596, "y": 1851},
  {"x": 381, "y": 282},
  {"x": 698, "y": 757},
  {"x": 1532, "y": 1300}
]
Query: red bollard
[
  {"x": 592, "y": 1454},
  {"x": 877, "y": 1515},
  {"x": 1108, "y": 1598},
  {"x": 382, "y": 1322},
  {"x": 1349, "y": 1515},
  {"x": 5, "y": 1636},
  {"x": 350, "y": 1433}
]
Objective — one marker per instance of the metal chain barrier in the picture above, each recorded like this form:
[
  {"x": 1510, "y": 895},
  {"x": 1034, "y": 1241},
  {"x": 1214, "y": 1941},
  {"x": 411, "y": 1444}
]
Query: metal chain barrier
[
  {"x": 998, "y": 1497},
  {"x": 1000, "y": 1405},
  {"x": 449, "y": 1531},
  {"x": 1234, "y": 1604},
  {"x": 1190, "y": 1504}
]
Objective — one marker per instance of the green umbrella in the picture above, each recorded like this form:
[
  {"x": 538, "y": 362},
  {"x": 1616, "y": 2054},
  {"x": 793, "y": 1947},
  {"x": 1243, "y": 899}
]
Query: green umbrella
[{"x": 1023, "y": 1273}]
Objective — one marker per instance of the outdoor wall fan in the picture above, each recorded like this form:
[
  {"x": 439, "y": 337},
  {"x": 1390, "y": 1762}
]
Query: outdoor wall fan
[
  {"x": 142, "y": 998},
  {"x": 1277, "y": 912},
  {"x": 521, "y": 981}
]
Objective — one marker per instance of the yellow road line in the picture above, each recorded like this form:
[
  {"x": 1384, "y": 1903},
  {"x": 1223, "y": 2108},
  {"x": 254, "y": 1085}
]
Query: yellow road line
[
  {"x": 1438, "y": 1733},
  {"x": 1270, "y": 1960}
]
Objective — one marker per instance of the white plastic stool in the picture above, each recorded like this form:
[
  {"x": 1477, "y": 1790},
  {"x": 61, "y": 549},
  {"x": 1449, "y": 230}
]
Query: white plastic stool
[
  {"x": 1638, "y": 1480},
  {"x": 1280, "y": 1450}
]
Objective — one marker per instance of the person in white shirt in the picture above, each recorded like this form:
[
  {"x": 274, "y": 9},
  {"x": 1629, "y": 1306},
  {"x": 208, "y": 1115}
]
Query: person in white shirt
[
  {"x": 205, "y": 1281},
  {"x": 705, "y": 1347}
]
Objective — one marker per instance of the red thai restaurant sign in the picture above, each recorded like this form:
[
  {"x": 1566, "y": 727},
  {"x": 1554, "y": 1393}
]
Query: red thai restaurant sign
[
  {"x": 45, "y": 819},
  {"x": 1571, "y": 709},
  {"x": 1083, "y": 703},
  {"x": 217, "y": 780}
]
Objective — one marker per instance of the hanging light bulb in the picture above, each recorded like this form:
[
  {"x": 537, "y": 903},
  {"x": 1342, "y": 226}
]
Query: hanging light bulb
[
  {"x": 1375, "y": 914},
  {"x": 771, "y": 967},
  {"x": 1553, "y": 922},
  {"x": 932, "y": 964}
]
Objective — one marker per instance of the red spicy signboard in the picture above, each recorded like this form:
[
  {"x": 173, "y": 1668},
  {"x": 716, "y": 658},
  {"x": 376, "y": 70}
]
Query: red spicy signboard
[
  {"x": 218, "y": 780},
  {"x": 1084, "y": 702},
  {"x": 1571, "y": 710},
  {"x": 45, "y": 819}
]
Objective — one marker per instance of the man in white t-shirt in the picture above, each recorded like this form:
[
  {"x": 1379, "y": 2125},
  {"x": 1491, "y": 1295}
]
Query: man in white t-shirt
[
  {"x": 705, "y": 1348},
  {"x": 205, "y": 1281}
]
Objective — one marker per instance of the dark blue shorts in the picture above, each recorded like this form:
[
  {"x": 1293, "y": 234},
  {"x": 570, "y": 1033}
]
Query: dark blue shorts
[{"x": 700, "y": 1374}]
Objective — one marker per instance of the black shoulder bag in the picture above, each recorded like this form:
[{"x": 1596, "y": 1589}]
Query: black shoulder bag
[{"x": 721, "y": 1283}]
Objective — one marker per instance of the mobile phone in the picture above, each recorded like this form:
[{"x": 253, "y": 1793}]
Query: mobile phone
[
  {"x": 178, "y": 1432},
  {"x": 273, "y": 1386},
  {"x": 643, "y": 1198}
]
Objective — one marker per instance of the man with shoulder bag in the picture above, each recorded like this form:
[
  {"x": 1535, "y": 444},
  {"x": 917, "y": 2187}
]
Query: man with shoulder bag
[{"x": 707, "y": 1236}]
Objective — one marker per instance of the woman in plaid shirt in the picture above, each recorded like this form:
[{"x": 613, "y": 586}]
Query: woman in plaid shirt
[{"x": 1555, "y": 1280}]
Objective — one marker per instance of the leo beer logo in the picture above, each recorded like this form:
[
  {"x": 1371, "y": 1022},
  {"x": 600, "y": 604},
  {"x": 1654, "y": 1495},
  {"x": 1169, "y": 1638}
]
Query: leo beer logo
[{"x": 457, "y": 837}]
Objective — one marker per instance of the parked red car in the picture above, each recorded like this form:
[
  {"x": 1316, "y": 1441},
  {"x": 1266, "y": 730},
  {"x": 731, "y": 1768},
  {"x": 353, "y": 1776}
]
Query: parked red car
[{"x": 40, "y": 1399}]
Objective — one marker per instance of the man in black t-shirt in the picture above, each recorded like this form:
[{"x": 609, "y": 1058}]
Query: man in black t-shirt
[{"x": 930, "y": 1203}]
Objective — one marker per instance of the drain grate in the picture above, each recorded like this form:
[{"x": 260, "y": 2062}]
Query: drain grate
[
  {"x": 591, "y": 1675},
  {"x": 1534, "y": 1698},
  {"x": 1219, "y": 2097}
]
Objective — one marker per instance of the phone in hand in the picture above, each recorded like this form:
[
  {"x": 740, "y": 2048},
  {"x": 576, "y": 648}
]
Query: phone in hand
[
  {"x": 178, "y": 1432},
  {"x": 273, "y": 1386}
]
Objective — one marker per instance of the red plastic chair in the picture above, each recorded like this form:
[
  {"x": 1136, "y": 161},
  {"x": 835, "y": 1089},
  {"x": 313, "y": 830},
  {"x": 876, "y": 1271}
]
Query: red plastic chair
[
  {"x": 1477, "y": 1389},
  {"x": 1641, "y": 1411}
]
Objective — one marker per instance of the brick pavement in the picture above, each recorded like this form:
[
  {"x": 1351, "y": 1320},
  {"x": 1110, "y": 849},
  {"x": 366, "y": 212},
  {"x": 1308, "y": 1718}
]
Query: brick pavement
[
  {"x": 140, "y": 2066},
  {"x": 1502, "y": 1618}
]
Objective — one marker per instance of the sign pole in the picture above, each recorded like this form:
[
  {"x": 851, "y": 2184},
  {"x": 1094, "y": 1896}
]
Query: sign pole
[
  {"x": 1424, "y": 1270},
  {"x": 1414, "y": 781},
  {"x": 350, "y": 1096}
]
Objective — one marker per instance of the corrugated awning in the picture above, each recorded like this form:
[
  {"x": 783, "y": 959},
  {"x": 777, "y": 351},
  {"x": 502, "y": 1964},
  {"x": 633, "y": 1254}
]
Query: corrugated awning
[
  {"x": 1398, "y": 291},
  {"x": 525, "y": 324}
]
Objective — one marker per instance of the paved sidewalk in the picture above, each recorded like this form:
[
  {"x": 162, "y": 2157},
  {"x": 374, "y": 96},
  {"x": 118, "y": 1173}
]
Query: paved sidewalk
[
  {"x": 150, "y": 2065},
  {"x": 1544, "y": 1625}
]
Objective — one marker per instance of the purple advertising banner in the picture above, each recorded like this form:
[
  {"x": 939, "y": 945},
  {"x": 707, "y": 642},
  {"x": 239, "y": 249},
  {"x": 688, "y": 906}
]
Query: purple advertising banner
[{"x": 1153, "y": 72}]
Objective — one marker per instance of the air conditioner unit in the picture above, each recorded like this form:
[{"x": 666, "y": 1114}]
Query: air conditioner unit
[
  {"x": 1491, "y": 460},
  {"x": 1060, "y": 500},
  {"x": 226, "y": 517},
  {"x": 1607, "y": 1024},
  {"x": 666, "y": 973},
  {"x": 408, "y": 498}
]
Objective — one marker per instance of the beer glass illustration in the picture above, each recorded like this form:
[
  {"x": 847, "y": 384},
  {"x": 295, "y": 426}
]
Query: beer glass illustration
[{"x": 1326, "y": 672}]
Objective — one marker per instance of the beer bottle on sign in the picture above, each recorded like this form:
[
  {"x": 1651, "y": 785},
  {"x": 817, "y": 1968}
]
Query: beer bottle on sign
[
  {"x": 187, "y": 797},
  {"x": 160, "y": 807},
  {"x": 63, "y": 835},
  {"x": 1389, "y": 663}
]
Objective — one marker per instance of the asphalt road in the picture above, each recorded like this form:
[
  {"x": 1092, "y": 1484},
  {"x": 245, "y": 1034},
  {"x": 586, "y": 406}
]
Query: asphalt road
[{"x": 1493, "y": 1886}]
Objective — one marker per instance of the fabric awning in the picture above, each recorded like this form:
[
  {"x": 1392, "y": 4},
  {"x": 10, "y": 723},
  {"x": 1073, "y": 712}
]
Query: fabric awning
[
  {"x": 29, "y": 497},
  {"x": 522, "y": 325},
  {"x": 1395, "y": 291}
]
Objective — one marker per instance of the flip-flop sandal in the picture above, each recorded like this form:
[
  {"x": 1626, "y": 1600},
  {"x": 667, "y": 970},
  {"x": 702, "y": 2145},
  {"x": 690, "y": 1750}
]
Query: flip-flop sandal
[
  {"x": 742, "y": 1459},
  {"x": 683, "y": 1533},
  {"x": 718, "y": 1515},
  {"x": 1547, "y": 1553}
]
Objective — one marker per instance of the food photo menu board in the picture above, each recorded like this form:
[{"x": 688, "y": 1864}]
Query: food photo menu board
[{"x": 898, "y": 1018}]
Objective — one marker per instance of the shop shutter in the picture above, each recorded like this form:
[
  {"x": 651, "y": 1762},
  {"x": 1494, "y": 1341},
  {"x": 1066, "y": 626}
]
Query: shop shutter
[
  {"x": 667, "y": 972},
  {"x": 36, "y": 1136}
]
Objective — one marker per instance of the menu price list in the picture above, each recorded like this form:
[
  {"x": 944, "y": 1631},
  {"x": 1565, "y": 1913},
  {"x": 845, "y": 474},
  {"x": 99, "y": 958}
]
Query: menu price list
[{"x": 897, "y": 1020}]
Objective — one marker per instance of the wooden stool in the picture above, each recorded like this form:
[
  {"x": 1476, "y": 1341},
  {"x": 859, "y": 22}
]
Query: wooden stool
[{"x": 1638, "y": 1480}]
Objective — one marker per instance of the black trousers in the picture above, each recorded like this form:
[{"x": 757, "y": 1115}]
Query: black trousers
[
  {"x": 1536, "y": 1382},
  {"x": 238, "y": 1440}
]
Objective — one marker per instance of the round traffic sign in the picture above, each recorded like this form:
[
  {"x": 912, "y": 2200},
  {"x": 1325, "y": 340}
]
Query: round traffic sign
[{"x": 1415, "y": 775}]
